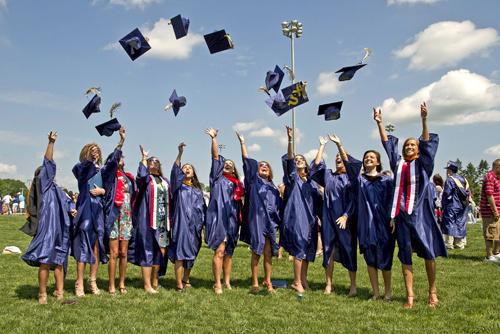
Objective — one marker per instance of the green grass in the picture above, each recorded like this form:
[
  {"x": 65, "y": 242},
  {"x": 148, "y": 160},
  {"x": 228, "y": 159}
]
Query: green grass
[{"x": 468, "y": 291}]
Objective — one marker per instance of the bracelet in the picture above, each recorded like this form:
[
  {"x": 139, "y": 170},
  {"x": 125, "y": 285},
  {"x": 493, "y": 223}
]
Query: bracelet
[{"x": 290, "y": 141}]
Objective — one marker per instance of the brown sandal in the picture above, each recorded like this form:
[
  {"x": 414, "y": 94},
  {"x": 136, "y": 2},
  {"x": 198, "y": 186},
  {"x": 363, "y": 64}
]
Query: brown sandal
[
  {"x": 433, "y": 301},
  {"x": 42, "y": 298},
  {"x": 79, "y": 292},
  {"x": 93, "y": 287},
  {"x": 409, "y": 302},
  {"x": 59, "y": 295}
]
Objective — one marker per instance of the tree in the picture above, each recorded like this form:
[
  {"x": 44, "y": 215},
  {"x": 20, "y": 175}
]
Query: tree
[{"x": 12, "y": 187}]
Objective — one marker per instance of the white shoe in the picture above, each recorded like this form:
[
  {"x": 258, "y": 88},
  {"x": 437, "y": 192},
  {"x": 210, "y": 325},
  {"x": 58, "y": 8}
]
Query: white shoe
[
  {"x": 497, "y": 256},
  {"x": 492, "y": 259}
]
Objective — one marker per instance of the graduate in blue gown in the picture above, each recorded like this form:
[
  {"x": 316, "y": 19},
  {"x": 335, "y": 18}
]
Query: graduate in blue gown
[
  {"x": 372, "y": 191},
  {"x": 455, "y": 203},
  {"x": 412, "y": 204},
  {"x": 262, "y": 216},
  {"x": 49, "y": 224},
  {"x": 118, "y": 207},
  {"x": 152, "y": 216},
  {"x": 338, "y": 223},
  {"x": 188, "y": 218},
  {"x": 224, "y": 213},
  {"x": 299, "y": 228},
  {"x": 87, "y": 244}
]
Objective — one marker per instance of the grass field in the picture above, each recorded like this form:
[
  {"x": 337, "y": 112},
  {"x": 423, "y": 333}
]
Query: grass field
[{"x": 468, "y": 291}]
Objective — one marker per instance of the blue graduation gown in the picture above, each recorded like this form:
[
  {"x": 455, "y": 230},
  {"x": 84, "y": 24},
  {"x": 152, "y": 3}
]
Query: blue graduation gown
[
  {"x": 338, "y": 200},
  {"x": 222, "y": 221},
  {"x": 262, "y": 210},
  {"x": 50, "y": 245},
  {"x": 188, "y": 217},
  {"x": 454, "y": 213},
  {"x": 89, "y": 222},
  {"x": 144, "y": 248},
  {"x": 373, "y": 200},
  {"x": 299, "y": 228},
  {"x": 419, "y": 231}
]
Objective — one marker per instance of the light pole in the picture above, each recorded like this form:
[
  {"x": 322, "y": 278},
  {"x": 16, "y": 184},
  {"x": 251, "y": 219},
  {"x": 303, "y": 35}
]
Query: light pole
[{"x": 292, "y": 30}]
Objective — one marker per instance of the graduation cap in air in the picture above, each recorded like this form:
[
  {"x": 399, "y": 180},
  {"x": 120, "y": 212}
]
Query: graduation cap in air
[
  {"x": 92, "y": 106},
  {"x": 176, "y": 102},
  {"x": 278, "y": 104},
  {"x": 348, "y": 72},
  {"x": 288, "y": 98},
  {"x": 274, "y": 79},
  {"x": 218, "y": 41},
  {"x": 108, "y": 128},
  {"x": 135, "y": 44},
  {"x": 330, "y": 110},
  {"x": 180, "y": 25}
]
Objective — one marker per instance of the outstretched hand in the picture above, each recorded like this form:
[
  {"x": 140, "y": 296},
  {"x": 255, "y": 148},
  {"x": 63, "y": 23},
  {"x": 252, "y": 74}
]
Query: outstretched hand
[
  {"x": 181, "y": 147},
  {"x": 121, "y": 132},
  {"x": 423, "y": 110},
  {"x": 289, "y": 132},
  {"x": 240, "y": 138},
  {"x": 377, "y": 115},
  {"x": 333, "y": 137},
  {"x": 144, "y": 153},
  {"x": 323, "y": 140},
  {"x": 52, "y": 136},
  {"x": 212, "y": 132}
]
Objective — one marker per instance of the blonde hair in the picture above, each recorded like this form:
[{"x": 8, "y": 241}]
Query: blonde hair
[
  {"x": 85, "y": 153},
  {"x": 404, "y": 144}
]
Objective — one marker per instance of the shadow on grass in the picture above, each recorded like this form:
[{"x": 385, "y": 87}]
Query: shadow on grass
[
  {"x": 27, "y": 291},
  {"x": 458, "y": 256}
]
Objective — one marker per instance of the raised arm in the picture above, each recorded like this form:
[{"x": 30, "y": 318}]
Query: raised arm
[
  {"x": 49, "y": 152},
  {"x": 121, "y": 132},
  {"x": 289, "y": 133},
  {"x": 423, "y": 116},
  {"x": 244, "y": 152},
  {"x": 338, "y": 142},
  {"x": 215, "y": 149},
  {"x": 321, "y": 149},
  {"x": 377, "y": 116},
  {"x": 179, "y": 155},
  {"x": 144, "y": 155}
]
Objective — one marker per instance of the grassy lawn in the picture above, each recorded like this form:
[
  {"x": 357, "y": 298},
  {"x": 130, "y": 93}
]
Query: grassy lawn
[{"x": 467, "y": 290}]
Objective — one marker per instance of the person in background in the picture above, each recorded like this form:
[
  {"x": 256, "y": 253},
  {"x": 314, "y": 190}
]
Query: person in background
[
  {"x": 490, "y": 212},
  {"x": 49, "y": 224},
  {"x": 438, "y": 182},
  {"x": 22, "y": 203}
]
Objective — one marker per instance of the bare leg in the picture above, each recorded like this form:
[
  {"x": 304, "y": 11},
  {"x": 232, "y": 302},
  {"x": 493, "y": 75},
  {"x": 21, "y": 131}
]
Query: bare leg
[
  {"x": 386, "y": 274},
  {"x": 179, "y": 273},
  {"x": 303, "y": 274},
  {"x": 430, "y": 268},
  {"x": 123, "y": 264},
  {"x": 113, "y": 255},
  {"x": 329, "y": 276},
  {"x": 59, "y": 278},
  {"x": 93, "y": 272},
  {"x": 227, "y": 267},
  {"x": 353, "y": 291},
  {"x": 43, "y": 277},
  {"x": 408, "y": 277},
  {"x": 146, "y": 277},
  {"x": 80, "y": 273},
  {"x": 217, "y": 267},
  {"x": 254, "y": 267},
  {"x": 185, "y": 278},
  {"x": 154, "y": 276},
  {"x": 373, "y": 274},
  {"x": 268, "y": 264},
  {"x": 297, "y": 270}
]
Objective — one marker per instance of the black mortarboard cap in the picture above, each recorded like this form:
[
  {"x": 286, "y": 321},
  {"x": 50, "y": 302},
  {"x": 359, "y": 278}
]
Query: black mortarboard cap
[
  {"x": 348, "y": 72},
  {"x": 274, "y": 78},
  {"x": 135, "y": 44},
  {"x": 278, "y": 104},
  {"x": 453, "y": 166},
  {"x": 92, "y": 106},
  {"x": 180, "y": 25},
  {"x": 330, "y": 110},
  {"x": 218, "y": 41},
  {"x": 177, "y": 102},
  {"x": 107, "y": 128}
]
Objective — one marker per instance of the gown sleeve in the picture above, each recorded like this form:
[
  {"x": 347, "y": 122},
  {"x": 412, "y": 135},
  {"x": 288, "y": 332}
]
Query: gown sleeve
[
  {"x": 289, "y": 170},
  {"x": 216, "y": 170},
  {"x": 142, "y": 176},
  {"x": 353, "y": 168},
  {"x": 391, "y": 148},
  {"x": 47, "y": 175},
  {"x": 428, "y": 151},
  {"x": 176, "y": 178},
  {"x": 317, "y": 172},
  {"x": 250, "y": 170},
  {"x": 108, "y": 171},
  {"x": 84, "y": 170}
]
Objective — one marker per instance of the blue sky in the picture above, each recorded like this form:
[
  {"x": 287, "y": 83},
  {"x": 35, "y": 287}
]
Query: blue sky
[{"x": 443, "y": 51}]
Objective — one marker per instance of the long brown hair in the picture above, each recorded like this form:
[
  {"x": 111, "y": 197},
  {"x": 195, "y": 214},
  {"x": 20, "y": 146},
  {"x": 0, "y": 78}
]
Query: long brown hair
[
  {"x": 377, "y": 154},
  {"x": 159, "y": 165},
  {"x": 85, "y": 153},
  {"x": 305, "y": 160},
  {"x": 235, "y": 173},
  {"x": 270, "y": 177}
]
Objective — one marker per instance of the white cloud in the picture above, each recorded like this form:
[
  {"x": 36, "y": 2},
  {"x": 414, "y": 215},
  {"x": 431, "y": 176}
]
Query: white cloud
[
  {"x": 311, "y": 155},
  {"x": 3, "y": 4},
  {"x": 411, "y": 2},
  {"x": 133, "y": 3},
  {"x": 254, "y": 148},
  {"x": 264, "y": 132},
  {"x": 163, "y": 43},
  {"x": 327, "y": 83},
  {"x": 7, "y": 169},
  {"x": 446, "y": 43},
  {"x": 458, "y": 97},
  {"x": 493, "y": 151},
  {"x": 245, "y": 126}
]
